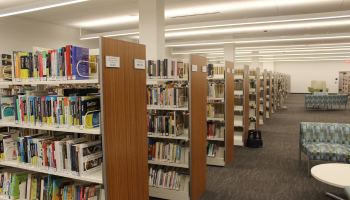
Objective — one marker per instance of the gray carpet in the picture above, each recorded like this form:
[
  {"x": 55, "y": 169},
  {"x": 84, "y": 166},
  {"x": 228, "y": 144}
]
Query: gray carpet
[{"x": 273, "y": 172}]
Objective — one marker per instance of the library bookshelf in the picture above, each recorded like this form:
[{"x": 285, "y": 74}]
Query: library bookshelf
[
  {"x": 241, "y": 106},
  {"x": 95, "y": 177},
  {"x": 254, "y": 99},
  {"x": 193, "y": 133},
  {"x": 220, "y": 111},
  {"x": 262, "y": 99},
  {"x": 269, "y": 94}
]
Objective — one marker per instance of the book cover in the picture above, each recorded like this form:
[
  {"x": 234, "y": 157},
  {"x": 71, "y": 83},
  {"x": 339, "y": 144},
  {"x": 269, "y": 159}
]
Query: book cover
[
  {"x": 80, "y": 54},
  {"x": 7, "y": 109}
]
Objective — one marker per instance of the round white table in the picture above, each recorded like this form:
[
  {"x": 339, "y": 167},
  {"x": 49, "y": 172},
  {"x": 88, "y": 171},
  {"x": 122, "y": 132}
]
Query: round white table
[{"x": 334, "y": 174}]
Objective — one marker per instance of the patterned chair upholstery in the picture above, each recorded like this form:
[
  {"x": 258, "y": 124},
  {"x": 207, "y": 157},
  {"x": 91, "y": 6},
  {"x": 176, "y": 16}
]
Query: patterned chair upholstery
[
  {"x": 325, "y": 141},
  {"x": 326, "y": 100}
]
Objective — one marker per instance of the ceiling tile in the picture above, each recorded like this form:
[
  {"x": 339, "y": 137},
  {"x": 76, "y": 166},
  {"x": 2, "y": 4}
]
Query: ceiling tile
[
  {"x": 54, "y": 11},
  {"x": 12, "y": 3},
  {"x": 113, "y": 8},
  {"x": 200, "y": 18},
  {"x": 345, "y": 5},
  {"x": 307, "y": 6},
  {"x": 344, "y": 28}
]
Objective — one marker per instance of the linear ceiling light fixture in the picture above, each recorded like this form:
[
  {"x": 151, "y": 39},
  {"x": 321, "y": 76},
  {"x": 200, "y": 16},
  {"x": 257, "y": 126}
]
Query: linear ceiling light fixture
[
  {"x": 41, "y": 5},
  {"x": 250, "y": 21}
]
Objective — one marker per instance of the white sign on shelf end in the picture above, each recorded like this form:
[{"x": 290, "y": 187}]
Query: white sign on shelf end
[
  {"x": 194, "y": 68},
  {"x": 112, "y": 61},
  {"x": 228, "y": 70},
  {"x": 139, "y": 64},
  {"x": 204, "y": 68}
]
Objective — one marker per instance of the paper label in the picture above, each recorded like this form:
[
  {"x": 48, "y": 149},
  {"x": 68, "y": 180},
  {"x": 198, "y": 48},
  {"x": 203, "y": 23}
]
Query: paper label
[
  {"x": 204, "y": 68},
  {"x": 194, "y": 68},
  {"x": 112, "y": 61},
  {"x": 139, "y": 64}
]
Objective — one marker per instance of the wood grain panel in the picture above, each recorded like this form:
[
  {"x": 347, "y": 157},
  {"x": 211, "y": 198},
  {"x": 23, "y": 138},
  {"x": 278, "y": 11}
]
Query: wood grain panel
[
  {"x": 265, "y": 93},
  {"x": 257, "y": 124},
  {"x": 124, "y": 120},
  {"x": 270, "y": 93},
  {"x": 198, "y": 109},
  {"x": 229, "y": 112},
  {"x": 246, "y": 103}
]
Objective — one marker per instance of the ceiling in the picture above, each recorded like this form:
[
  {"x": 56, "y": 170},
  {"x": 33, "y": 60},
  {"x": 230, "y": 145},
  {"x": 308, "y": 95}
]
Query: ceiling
[{"x": 113, "y": 15}]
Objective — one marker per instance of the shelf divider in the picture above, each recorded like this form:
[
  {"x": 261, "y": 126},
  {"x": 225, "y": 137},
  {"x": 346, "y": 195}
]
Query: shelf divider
[{"x": 123, "y": 106}]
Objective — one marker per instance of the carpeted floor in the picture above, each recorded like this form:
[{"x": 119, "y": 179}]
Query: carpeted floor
[{"x": 273, "y": 172}]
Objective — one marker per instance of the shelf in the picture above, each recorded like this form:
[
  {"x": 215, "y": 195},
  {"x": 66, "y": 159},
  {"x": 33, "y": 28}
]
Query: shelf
[
  {"x": 6, "y": 83},
  {"x": 215, "y": 161},
  {"x": 95, "y": 131},
  {"x": 238, "y": 123},
  {"x": 168, "y": 194},
  {"x": 168, "y": 164},
  {"x": 238, "y": 108},
  {"x": 181, "y": 137},
  {"x": 251, "y": 89},
  {"x": 238, "y": 138},
  {"x": 216, "y": 99},
  {"x": 94, "y": 178},
  {"x": 166, "y": 108},
  {"x": 215, "y": 119},
  {"x": 251, "y": 77},
  {"x": 167, "y": 79},
  {"x": 56, "y": 82},
  {"x": 238, "y": 77},
  {"x": 238, "y": 92},
  {"x": 216, "y": 139},
  {"x": 216, "y": 78}
]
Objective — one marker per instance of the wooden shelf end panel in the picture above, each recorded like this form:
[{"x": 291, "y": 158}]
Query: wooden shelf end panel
[
  {"x": 198, "y": 104},
  {"x": 124, "y": 116},
  {"x": 229, "y": 112}
]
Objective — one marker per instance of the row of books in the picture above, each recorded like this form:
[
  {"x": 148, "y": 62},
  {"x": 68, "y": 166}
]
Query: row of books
[
  {"x": 5, "y": 68},
  {"x": 171, "y": 178},
  {"x": 164, "y": 123},
  {"x": 215, "y": 71},
  {"x": 69, "y": 153},
  {"x": 215, "y": 130},
  {"x": 215, "y": 90},
  {"x": 25, "y": 185},
  {"x": 166, "y": 96},
  {"x": 51, "y": 65},
  {"x": 51, "y": 111},
  {"x": 166, "y": 69},
  {"x": 166, "y": 151},
  {"x": 215, "y": 149}
]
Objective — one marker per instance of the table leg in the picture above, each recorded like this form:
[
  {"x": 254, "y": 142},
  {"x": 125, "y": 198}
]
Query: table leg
[{"x": 333, "y": 196}]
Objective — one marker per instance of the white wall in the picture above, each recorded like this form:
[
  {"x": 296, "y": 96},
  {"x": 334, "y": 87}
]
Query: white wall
[
  {"x": 303, "y": 72},
  {"x": 269, "y": 66},
  {"x": 19, "y": 34},
  {"x": 240, "y": 65}
]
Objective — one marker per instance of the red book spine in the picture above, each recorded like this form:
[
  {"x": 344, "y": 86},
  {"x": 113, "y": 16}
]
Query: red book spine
[
  {"x": 81, "y": 192},
  {"x": 68, "y": 60},
  {"x": 41, "y": 65},
  {"x": 53, "y": 155}
]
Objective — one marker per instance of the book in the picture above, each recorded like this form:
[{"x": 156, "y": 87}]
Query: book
[{"x": 80, "y": 72}]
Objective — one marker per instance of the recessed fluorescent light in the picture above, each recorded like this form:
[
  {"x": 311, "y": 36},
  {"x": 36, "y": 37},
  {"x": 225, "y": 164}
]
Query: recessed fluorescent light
[{"x": 25, "y": 8}]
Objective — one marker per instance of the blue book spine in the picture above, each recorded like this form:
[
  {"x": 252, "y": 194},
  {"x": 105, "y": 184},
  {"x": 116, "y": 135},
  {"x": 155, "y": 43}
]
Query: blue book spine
[
  {"x": 22, "y": 151},
  {"x": 15, "y": 108},
  {"x": 80, "y": 54}
]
